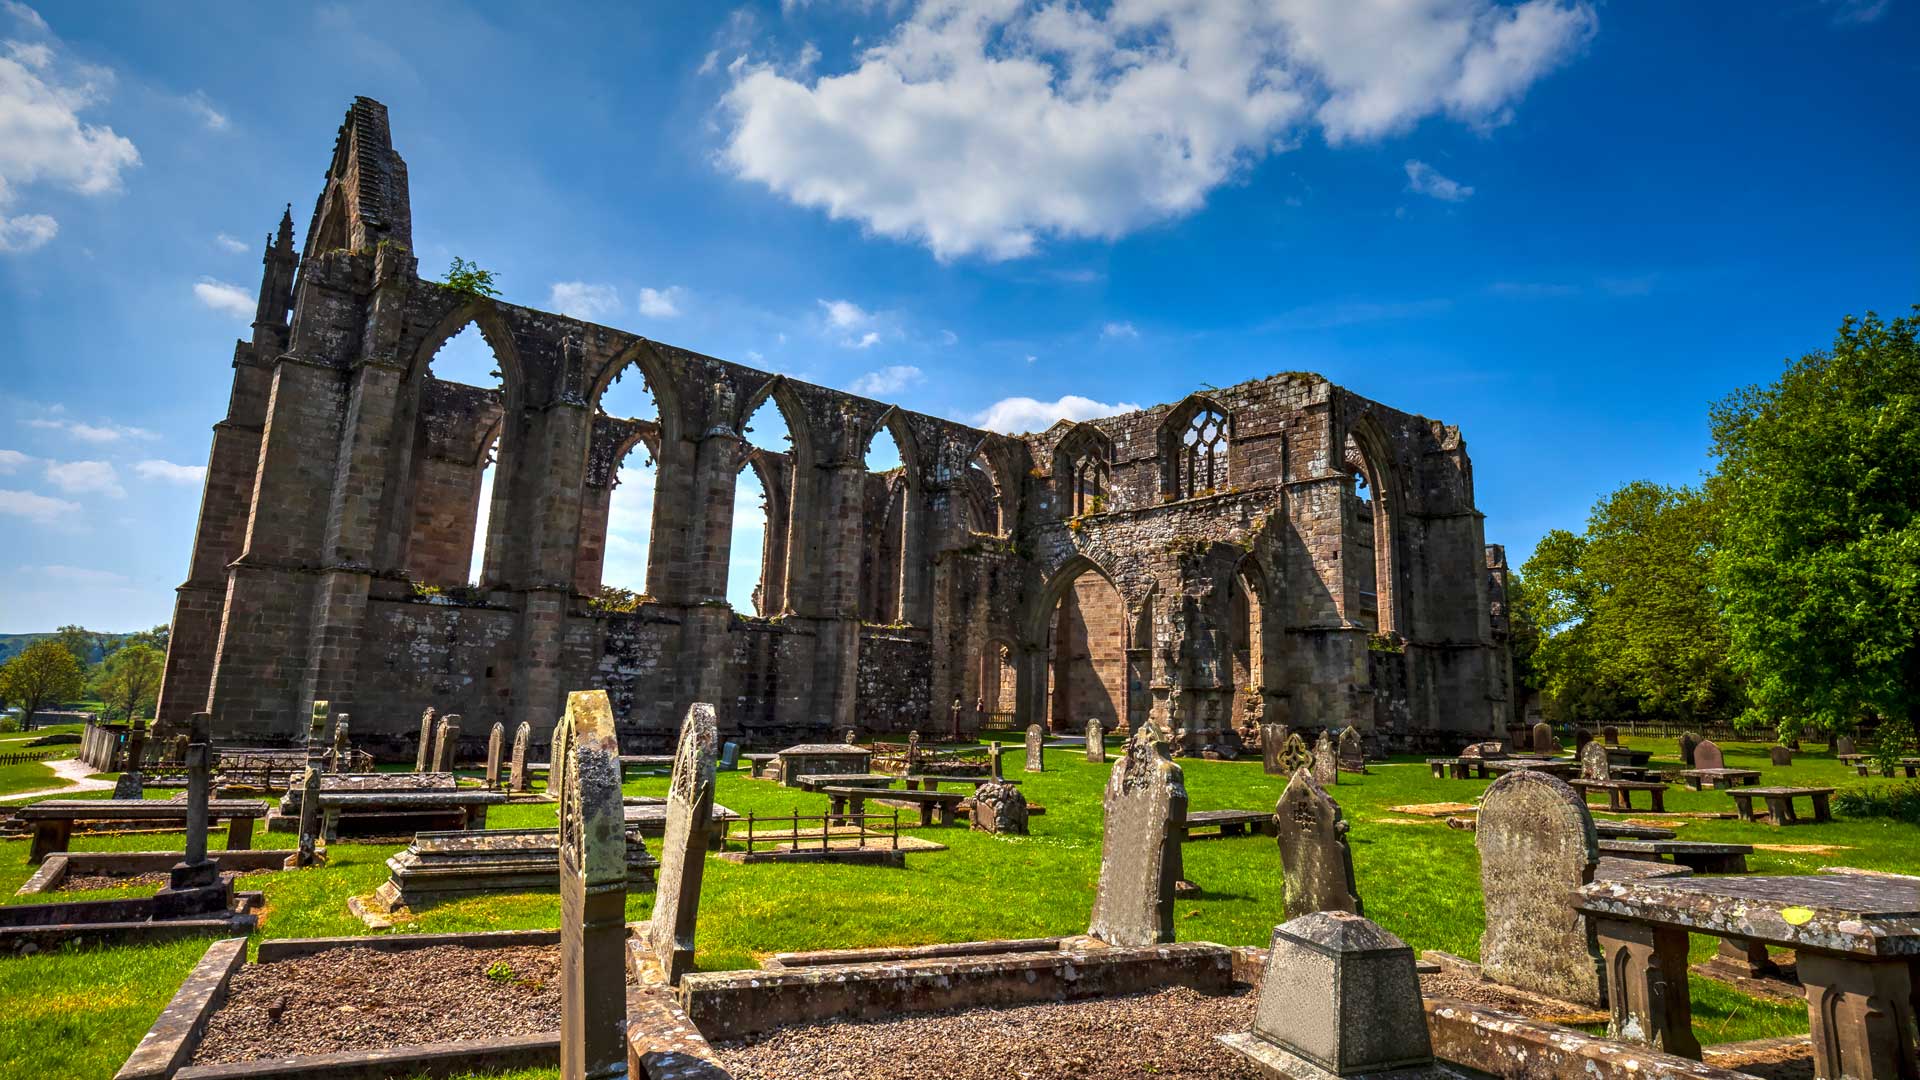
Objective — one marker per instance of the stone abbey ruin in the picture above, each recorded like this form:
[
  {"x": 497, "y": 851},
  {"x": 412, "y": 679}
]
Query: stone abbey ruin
[{"x": 1279, "y": 551}]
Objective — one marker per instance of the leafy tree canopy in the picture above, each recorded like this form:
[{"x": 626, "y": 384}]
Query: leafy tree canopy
[{"x": 45, "y": 673}]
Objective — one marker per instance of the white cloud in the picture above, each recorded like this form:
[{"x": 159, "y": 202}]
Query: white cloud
[
  {"x": 11, "y": 460},
  {"x": 103, "y": 432},
  {"x": 42, "y": 138},
  {"x": 1422, "y": 179},
  {"x": 39, "y": 509},
  {"x": 1019, "y": 414},
  {"x": 1115, "y": 331},
  {"x": 202, "y": 106},
  {"x": 845, "y": 314},
  {"x": 661, "y": 303},
  {"x": 583, "y": 300},
  {"x": 230, "y": 243},
  {"x": 80, "y": 575},
  {"x": 979, "y": 128},
  {"x": 26, "y": 232},
  {"x": 888, "y": 380},
  {"x": 86, "y": 478},
  {"x": 225, "y": 298},
  {"x": 156, "y": 469},
  {"x": 866, "y": 341}
]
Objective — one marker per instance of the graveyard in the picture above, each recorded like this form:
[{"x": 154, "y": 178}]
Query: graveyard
[{"x": 80, "y": 1011}]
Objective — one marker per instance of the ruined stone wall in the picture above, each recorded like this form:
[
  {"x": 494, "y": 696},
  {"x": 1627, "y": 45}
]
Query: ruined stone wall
[
  {"x": 345, "y": 476},
  {"x": 1090, "y": 663}
]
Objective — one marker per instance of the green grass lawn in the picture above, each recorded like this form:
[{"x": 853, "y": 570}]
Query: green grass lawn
[{"x": 1417, "y": 878}]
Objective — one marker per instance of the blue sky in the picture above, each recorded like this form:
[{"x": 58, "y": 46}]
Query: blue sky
[{"x": 1566, "y": 227}]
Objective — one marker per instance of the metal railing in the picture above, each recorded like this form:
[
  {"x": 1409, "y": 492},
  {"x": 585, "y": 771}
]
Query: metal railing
[{"x": 792, "y": 835}]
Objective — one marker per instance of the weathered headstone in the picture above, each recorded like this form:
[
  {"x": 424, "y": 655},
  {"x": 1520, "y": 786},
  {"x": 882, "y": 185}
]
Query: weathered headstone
[
  {"x": 1707, "y": 755},
  {"x": 999, "y": 808},
  {"x": 913, "y": 751},
  {"x": 1273, "y": 744},
  {"x": 1581, "y": 737},
  {"x": 495, "y": 737},
  {"x": 1594, "y": 764},
  {"x": 1688, "y": 741},
  {"x": 849, "y": 736},
  {"x": 1780, "y": 755},
  {"x": 131, "y": 783},
  {"x": 439, "y": 745},
  {"x": 1146, "y": 800},
  {"x": 1326, "y": 767},
  {"x": 593, "y": 890},
  {"x": 519, "y": 780},
  {"x": 1096, "y": 742},
  {"x": 308, "y": 852},
  {"x": 1294, "y": 755},
  {"x": 1352, "y": 750},
  {"x": 1537, "y": 848},
  {"x": 993, "y": 760},
  {"x": 1843, "y": 745},
  {"x": 1036, "y": 757},
  {"x": 450, "y": 745},
  {"x": 425, "y": 755},
  {"x": 1486, "y": 751},
  {"x": 195, "y": 873},
  {"x": 1610, "y": 735},
  {"x": 1543, "y": 740},
  {"x": 317, "y": 731},
  {"x": 683, "y": 850},
  {"x": 1340, "y": 998},
  {"x": 1313, "y": 851},
  {"x": 342, "y": 747}
]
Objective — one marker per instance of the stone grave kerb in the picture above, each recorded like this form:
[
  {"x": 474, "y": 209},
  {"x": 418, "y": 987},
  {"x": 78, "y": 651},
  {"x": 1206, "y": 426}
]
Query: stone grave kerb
[
  {"x": 1144, "y": 806},
  {"x": 593, "y": 890},
  {"x": 683, "y": 849}
]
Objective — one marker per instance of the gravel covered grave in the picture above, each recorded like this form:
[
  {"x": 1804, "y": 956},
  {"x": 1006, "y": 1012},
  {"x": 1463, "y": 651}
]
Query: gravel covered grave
[
  {"x": 1168, "y": 1034},
  {"x": 88, "y": 882},
  {"x": 359, "y": 998}
]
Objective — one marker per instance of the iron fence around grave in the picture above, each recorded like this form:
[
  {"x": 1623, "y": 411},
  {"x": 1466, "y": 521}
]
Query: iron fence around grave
[{"x": 792, "y": 835}]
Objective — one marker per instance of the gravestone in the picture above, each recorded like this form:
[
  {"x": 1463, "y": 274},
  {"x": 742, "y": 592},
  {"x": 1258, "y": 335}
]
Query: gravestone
[
  {"x": 1313, "y": 851},
  {"x": 194, "y": 881},
  {"x": 593, "y": 889},
  {"x": 1581, "y": 737},
  {"x": 683, "y": 850},
  {"x": 1537, "y": 848},
  {"x": 310, "y": 817},
  {"x": 518, "y": 779},
  {"x": 1843, "y": 745},
  {"x": 1273, "y": 744},
  {"x": 1036, "y": 757},
  {"x": 1352, "y": 750},
  {"x": 849, "y": 736},
  {"x": 1543, "y": 740},
  {"x": 1486, "y": 751},
  {"x": 1688, "y": 741},
  {"x": 450, "y": 747},
  {"x": 424, "y": 755},
  {"x": 1294, "y": 755},
  {"x": 1144, "y": 806},
  {"x": 1593, "y": 762},
  {"x": 999, "y": 808},
  {"x": 993, "y": 760},
  {"x": 1780, "y": 755},
  {"x": 1707, "y": 755},
  {"x": 913, "y": 751},
  {"x": 494, "y": 738},
  {"x": 1326, "y": 769},
  {"x": 341, "y": 748},
  {"x": 439, "y": 746},
  {"x": 1096, "y": 742},
  {"x": 132, "y": 783},
  {"x": 1610, "y": 735},
  {"x": 1340, "y": 998}
]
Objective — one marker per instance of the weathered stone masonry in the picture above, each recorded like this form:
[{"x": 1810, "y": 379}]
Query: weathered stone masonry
[{"x": 1281, "y": 550}]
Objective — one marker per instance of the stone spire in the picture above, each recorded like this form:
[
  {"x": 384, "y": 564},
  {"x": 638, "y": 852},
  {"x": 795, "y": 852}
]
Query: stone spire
[{"x": 276, "y": 286}]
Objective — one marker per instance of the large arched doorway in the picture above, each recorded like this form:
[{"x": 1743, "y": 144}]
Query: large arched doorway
[{"x": 1087, "y": 655}]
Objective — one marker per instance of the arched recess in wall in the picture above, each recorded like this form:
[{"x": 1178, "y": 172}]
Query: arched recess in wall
[
  {"x": 981, "y": 493},
  {"x": 620, "y": 509},
  {"x": 1140, "y": 663},
  {"x": 1195, "y": 443},
  {"x": 998, "y": 691},
  {"x": 757, "y": 552},
  {"x": 1247, "y": 641},
  {"x": 891, "y": 571},
  {"x": 1087, "y": 635},
  {"x": 1083, "y": 470},
  {"x": 1376, "y": 526},
  {"x": 779, "y": 465},
  {"x": 461, "y": 391}
]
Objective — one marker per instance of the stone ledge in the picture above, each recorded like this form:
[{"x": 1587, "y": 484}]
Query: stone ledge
[
  {"x": 169, "y": 1043},
  {"x": 1502, "y": 1044},
  {"x": 733, "y": 1004},
  {"x": 425, "y": 1059},
  {"x": 288, "y": 948}
]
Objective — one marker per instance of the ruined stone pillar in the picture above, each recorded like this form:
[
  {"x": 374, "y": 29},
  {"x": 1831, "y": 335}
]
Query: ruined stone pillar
[{"x": 540, "y": 527}]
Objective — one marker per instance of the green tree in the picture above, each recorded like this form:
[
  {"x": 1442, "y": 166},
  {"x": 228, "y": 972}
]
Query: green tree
[
  {"x": 468, "y": 278},
  {"x": 1819, "y": 552},
  {"x": 87, "y": 646},
  {"x": 45, "y": 673},
  {"x": 129, "y": 680},
  {"x": 156, "y": 637}
]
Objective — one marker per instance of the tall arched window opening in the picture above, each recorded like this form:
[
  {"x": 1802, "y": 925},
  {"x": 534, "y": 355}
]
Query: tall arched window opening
[
  {"x": 884, "y": 523},
  {"x": 1249, "y": 657},
  {"x": 1369, "y": 539},
  {"x": 1087, "y": 656},
  {"x": 1203, "y": 453},
  {"x": 460, "y": 408},
  {"x": 759, "y": 527},
  {"x": 622, "y": 513}
]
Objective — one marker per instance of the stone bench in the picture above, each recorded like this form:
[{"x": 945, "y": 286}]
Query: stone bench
[
  {"x": 1561, "y": 767},
  {"x": 648, "y": 817},
  {"x": 1911, "y": 766},
  {"x": 1780, "y": 803},
  {"x": 1703, "y": 858},
  {"x": 931, "y": 804},
  {"x": 817, "y": 781},
  {"x": 397, "y": 812},
  {"x": 1719, "y": 778},
  {"x": 1460, "y": 768},
  {"x": 53, "y": 820},
  {"x": 1229, "y": 823},
  {"x": 932, "y": 781},
  {"x": 1620, "y": 793}
]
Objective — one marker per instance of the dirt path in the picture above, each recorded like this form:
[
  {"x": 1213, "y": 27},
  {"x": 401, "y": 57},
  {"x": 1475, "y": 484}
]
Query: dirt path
[{"x": 78, "y": 774}]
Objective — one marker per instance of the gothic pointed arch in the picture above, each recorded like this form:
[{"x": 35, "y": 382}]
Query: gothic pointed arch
[
  {"x": 1083, "y": 470},
  {"x": 1366, "y": 454},
  {"x": 1195, "y": 443}
]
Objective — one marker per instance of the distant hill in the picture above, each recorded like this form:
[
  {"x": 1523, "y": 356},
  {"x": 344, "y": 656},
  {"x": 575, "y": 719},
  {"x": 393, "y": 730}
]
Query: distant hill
[{"x": 12, "y": 644}]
